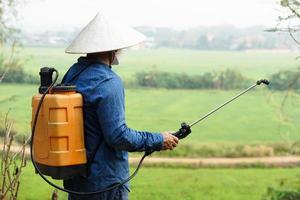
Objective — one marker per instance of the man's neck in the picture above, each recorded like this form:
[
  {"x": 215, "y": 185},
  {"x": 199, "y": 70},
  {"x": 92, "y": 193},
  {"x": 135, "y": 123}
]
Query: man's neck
[{"x": 104, "y": 61}]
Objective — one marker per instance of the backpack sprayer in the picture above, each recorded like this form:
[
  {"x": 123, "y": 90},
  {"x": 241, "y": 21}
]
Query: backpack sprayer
[{"x": 57, "y": 138}]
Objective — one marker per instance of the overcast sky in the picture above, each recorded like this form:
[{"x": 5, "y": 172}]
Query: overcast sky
[{"x": 66, "y": 14}]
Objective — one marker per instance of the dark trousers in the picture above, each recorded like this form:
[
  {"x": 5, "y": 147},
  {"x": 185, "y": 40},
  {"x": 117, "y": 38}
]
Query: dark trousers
[{"x": 120, "y": 193}]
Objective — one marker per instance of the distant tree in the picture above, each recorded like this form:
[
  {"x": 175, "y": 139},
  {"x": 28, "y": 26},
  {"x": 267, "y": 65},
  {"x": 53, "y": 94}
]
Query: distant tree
[
  {"x": 9, "y": 35},
  {"x": 289, "y": 21}
]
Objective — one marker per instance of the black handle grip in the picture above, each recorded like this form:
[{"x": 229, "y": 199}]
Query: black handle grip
[
  {"x": 46, "y": 78},
  {"x": 184, "y": 131}
]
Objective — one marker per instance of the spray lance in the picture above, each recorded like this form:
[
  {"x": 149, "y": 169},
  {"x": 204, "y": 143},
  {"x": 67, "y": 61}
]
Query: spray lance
[
  {"x": 57, "y": 137},
  {"x": 185, "y": 129}
]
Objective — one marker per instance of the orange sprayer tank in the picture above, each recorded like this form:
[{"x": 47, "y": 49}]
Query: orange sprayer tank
[{"x": 58, "y": 143}]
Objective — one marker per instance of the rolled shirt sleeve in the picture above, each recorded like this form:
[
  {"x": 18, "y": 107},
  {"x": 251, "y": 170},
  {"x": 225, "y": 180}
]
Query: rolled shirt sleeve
[{"x": 110, "y": 108}]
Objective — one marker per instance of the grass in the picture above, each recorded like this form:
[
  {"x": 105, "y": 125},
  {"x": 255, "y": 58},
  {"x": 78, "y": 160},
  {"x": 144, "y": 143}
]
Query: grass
[
  {"x": 252, "y": 64},
  {"x": 164, "y": 183},
  {"x": 250, "y": 119},
  {"x": 207, "y": 184}
]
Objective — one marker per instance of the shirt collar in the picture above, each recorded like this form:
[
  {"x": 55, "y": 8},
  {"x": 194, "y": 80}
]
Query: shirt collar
[
  {"x": 89, "y": 61},
  {"x": 80, "y": 66}
]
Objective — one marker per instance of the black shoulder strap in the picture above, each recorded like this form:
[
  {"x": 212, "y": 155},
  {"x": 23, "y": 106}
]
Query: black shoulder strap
[{"x": 75, "y": 76}]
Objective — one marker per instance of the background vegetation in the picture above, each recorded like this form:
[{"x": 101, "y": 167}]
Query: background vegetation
[{"x": 204, "y": 70}]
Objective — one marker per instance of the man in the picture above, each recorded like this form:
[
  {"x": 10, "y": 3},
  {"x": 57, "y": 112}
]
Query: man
[{"x": 107, "y": 137}]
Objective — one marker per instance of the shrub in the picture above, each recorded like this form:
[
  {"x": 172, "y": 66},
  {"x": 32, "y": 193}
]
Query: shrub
[
  {"x": 228, "y": 79},
  {"x": 277, "y": 194},
  {"x": 281, "y": 80},
  {"x": 257, "y": 151},
  {"x": 13, "y": 70},
  {"x": 192, "y": 150},
  {"x": 16, "y": 74}
]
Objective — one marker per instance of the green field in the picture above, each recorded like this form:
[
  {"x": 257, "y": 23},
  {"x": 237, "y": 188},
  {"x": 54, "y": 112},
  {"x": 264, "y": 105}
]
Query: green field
[
  {"x": 188, "y": 184},
  {"x": 250, "y": 119},
  {"x": 252, "y": 64}
]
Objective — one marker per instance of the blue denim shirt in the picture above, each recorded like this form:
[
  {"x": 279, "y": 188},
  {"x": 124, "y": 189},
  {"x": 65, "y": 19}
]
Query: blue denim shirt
[{"x": 107, "y": 137}]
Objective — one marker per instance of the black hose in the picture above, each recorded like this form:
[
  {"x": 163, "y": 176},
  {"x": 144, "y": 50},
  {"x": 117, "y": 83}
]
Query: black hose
[{"x": 61, "y": 188}]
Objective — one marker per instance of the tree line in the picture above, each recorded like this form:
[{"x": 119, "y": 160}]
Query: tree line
[{"x": 225, "y": 80}]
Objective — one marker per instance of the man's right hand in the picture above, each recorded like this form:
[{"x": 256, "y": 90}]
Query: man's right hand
[{"x": 170, "y": 141}]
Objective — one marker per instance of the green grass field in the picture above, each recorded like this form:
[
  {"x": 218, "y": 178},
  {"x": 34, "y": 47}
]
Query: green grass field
[
  {"x": 252, "y": 64},
  {"x": 250, "y": 119},
  {"x": 188, "y": 184}
]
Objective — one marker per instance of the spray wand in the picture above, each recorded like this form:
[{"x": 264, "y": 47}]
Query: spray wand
[{"x": 185, "y": 129}]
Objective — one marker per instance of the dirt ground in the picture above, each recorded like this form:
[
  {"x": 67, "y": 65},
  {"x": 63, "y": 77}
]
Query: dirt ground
[{"x": 284, "y": 161}]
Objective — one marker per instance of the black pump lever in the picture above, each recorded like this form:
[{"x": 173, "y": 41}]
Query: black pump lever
[{"x": 185, "y": 129}]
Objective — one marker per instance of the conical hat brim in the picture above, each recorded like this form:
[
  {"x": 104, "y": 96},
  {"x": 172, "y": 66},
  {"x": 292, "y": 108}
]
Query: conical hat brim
[{"x": 102, "y": 35}]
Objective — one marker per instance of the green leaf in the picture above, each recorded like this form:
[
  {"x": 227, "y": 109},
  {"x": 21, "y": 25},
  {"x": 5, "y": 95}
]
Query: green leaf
[{"x": 284, "y": 3}]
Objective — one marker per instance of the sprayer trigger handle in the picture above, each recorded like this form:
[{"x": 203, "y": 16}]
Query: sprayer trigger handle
[{"x": 184, "y": 131}]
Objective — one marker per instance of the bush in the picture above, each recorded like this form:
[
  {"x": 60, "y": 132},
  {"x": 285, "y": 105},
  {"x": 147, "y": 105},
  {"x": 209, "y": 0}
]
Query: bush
[
  {"x": 209, "y": 150},
  {"x": 277, "y": 194},
  {"x": 257, "y": 151},
  {"x": 16, "y": 74},
  {"x": 225, "y": 80},
  {"x": 14, "y": 71},
  {"x": 228, "y": 79},
  {"x": 281, "y": 80}
]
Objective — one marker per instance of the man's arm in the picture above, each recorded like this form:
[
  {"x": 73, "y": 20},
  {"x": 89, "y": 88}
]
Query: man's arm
[{"x": 111, "y": 115}]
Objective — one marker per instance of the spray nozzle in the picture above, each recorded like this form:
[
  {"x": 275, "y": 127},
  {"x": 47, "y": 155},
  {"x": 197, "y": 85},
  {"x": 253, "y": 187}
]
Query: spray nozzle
[{"x": 264, "y": 81}]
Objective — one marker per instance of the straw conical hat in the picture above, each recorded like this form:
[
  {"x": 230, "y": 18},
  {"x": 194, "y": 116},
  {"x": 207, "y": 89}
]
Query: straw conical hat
[{"x": 102, "y": 35}]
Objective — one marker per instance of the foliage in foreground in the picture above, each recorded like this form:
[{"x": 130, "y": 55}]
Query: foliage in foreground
[
  {"x": 284, "y": 191},
  {"x": 12, "y": 164},
  {"x": 277, "y": 194}
]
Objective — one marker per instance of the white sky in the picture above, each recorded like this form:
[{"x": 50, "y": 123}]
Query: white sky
[{"x": 39, "y": 15}]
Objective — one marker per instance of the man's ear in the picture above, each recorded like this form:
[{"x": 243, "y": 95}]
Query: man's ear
[
  {"x": 112, "y": 57},
  {"x": 115, "y": 60}
]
